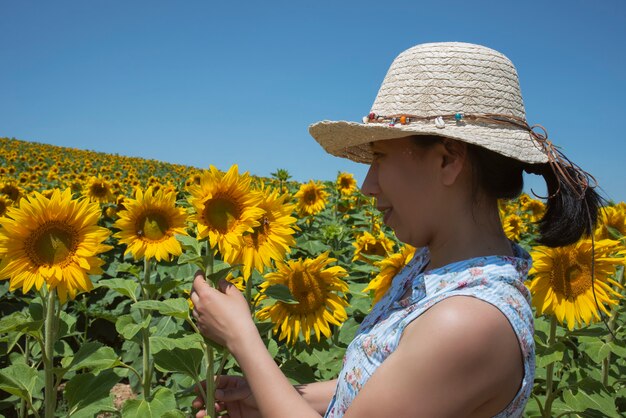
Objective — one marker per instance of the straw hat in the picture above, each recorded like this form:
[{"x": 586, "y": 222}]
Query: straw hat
[{"x": 451, "y": 89}]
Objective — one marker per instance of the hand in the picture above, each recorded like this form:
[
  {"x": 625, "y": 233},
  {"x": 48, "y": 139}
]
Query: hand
[
  {"x": 221, "y": 314},
  {"x": 232, "y": 395}
]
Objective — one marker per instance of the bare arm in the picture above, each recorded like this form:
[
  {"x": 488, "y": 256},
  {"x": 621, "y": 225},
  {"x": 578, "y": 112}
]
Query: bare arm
[
  {"x": 278, "y": 399},
  {"x": 460, "y": 358},
  {"x": 224, "y": 316},
  {"x": 318, "y": 394}
]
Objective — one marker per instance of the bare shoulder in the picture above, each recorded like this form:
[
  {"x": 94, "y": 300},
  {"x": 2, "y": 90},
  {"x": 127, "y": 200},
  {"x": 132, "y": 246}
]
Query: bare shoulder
[
  {"x": 463, "y": 317},
  {"x": 460, "y": 358}
]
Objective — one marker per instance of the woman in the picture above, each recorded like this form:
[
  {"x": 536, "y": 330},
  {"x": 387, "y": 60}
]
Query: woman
[{"x": 453, "y": 337}]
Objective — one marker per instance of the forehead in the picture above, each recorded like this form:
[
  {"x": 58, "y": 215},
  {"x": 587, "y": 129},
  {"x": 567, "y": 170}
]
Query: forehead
[{"x": 387, "y": 144}]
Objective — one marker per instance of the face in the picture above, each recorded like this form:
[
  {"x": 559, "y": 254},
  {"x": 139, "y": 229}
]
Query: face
[{"x": 404, "y": 179}]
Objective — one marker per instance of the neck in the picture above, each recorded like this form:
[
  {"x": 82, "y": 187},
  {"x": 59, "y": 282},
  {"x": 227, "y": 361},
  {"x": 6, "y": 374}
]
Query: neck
[{"x": 476, "y": 233}]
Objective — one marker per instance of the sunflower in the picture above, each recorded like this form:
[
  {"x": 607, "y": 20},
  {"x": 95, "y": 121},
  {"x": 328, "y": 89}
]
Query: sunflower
[
  {"x": 5, "y": 204},
  {"x": 149, "y": 224},
  {"x": 311, "y": 198},
  {"x": 534, "y": 208},
  {"x": 346, "y": 183},
  {"x": 389, "y": 267},
  {"x": 11, "y": 190},
  {"x": 613, "y": 217},
  {"x": 368, "y": 244},
  {"x": 270, "y": 239},
  {"x": 52, "y": 240},
  {"x": 315, "y": 288},
  {"x": 99, "y": 190},
  {"x": 225, "y": 208},
  {"x": 514, "y": 227},
  {"x": 562, "y": 283}
]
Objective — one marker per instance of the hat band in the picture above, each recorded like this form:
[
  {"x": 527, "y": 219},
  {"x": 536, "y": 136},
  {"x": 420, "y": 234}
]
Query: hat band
[{"x": 566, "y": 171}]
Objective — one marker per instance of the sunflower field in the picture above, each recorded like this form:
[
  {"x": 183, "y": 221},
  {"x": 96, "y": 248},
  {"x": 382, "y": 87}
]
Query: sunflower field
[{"x": 98, "y": 253}]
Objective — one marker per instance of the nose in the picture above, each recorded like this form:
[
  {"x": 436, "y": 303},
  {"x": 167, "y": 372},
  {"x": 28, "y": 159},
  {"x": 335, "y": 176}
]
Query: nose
[{"x": 370, "y": 184}]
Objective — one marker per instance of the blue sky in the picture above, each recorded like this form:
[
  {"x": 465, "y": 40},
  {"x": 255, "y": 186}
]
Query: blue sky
[{"x": 200, "y": 82}]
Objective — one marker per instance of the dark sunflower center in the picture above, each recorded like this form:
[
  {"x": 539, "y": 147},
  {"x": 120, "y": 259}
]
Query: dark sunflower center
[
  {"x": 98, "y": 190},
  {"x": 153, "y": 226},
  {"x": 515, "y": 224},
  {"x": 53, "y": 243},
  {"x": 310, "y": 197},
  {"x": 11, "y": 191},
  {"x": 570, "y": 277},
  {"x": 307, "y": 290},
  {"x": 221, "y": 214},
  {"x": 3, "y": 207},
  {"x": 374, "y": 249}
]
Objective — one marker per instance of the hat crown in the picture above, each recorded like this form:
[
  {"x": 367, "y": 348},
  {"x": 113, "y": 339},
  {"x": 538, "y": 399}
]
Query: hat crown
[{"x": 449, "y": 77}]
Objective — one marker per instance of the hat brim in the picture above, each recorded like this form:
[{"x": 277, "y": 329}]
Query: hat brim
[{"x": 351, "y": 139}]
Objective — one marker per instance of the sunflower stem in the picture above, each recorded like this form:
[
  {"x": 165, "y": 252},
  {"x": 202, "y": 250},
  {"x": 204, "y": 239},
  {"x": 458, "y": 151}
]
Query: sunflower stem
[
  {"x": 147, "y": 367},
  {"x": 50, "y": 392},
  {"x": 249, "y": 292},
  {"x": 606, "y": 363},
  {"x": 210, "y": 355},
  {"x": 547, "y": 412},
  {"x": 26, "y": 351}
]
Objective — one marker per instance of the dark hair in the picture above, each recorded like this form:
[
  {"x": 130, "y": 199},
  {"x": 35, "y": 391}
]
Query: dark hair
[{"x": 567, "y": 217}]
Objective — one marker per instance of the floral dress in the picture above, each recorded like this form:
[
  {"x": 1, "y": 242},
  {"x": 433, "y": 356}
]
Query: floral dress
[{"x": 498, "y": 280}]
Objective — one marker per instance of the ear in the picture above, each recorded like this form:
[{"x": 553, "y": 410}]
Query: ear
[{"x": 454, "y": 154}]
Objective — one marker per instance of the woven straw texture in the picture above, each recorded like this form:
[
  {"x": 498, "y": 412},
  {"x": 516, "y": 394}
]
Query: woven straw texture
[{"x": 435, "y": 79}]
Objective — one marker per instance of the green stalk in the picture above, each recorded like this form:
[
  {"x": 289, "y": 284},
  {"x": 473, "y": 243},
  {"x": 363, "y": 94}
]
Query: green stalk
[
  {"x": 23, "y": 405},
  {"x": 210, "y": 356},
  {"x": 147, "y": 366},
  {"x": 550, "y": 371},
  {"x": 50, "y": 392},
  {"x": 606, "y": 363}
]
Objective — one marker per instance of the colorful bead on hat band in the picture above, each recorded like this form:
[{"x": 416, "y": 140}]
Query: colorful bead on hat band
[{"x": 565, "y": 170}]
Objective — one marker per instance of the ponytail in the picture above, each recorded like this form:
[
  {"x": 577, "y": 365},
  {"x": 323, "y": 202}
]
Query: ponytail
[{"x": 571, "y": 210}]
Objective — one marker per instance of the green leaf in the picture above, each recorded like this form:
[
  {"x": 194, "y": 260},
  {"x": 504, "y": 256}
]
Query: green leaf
[
  {"x": 20, "y": 322},
  {"x": 298, "y": 372},
  {"x": 182, "y": 355},
  {"x": 550, "y": 355},
  {"x": 189, "y": 258},
  {"x": 583, "y": 401},
  {"x": 94, "y": 356},
  {"x": 161, "y": 404},
  {"x": 221, "y": 274},
  {"x": 280, "y": 292},
  {"x": 127, "y": 327},
  {"x": 87, "y": 388},
  {"x": 189, "y": 243},
  {"x": 67, "y": 325},
  {"x": 35, "y": 308},
  {"x": 177, "y": 307},
  {"x": 348, "y": 331},
  {"x": 130, "y": 268},
  {"x": 613, "y": 232},
  {"x": 313, "y": 247},
  {"x": 598, "y": 350},
  {"x": 125, "y": 287},
  {"x": 173, "y": 414},
  {"x": 20, "y": 380}
]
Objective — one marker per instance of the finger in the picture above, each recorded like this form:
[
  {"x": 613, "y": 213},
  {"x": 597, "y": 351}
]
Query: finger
[
  {"x": 197, "y": 403},
  {"x": 224, "y": 286},
  {"x": 201, "y": 289},
  {"x": 194, "y": 298},
  {"x": 196, "y": 388}
]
